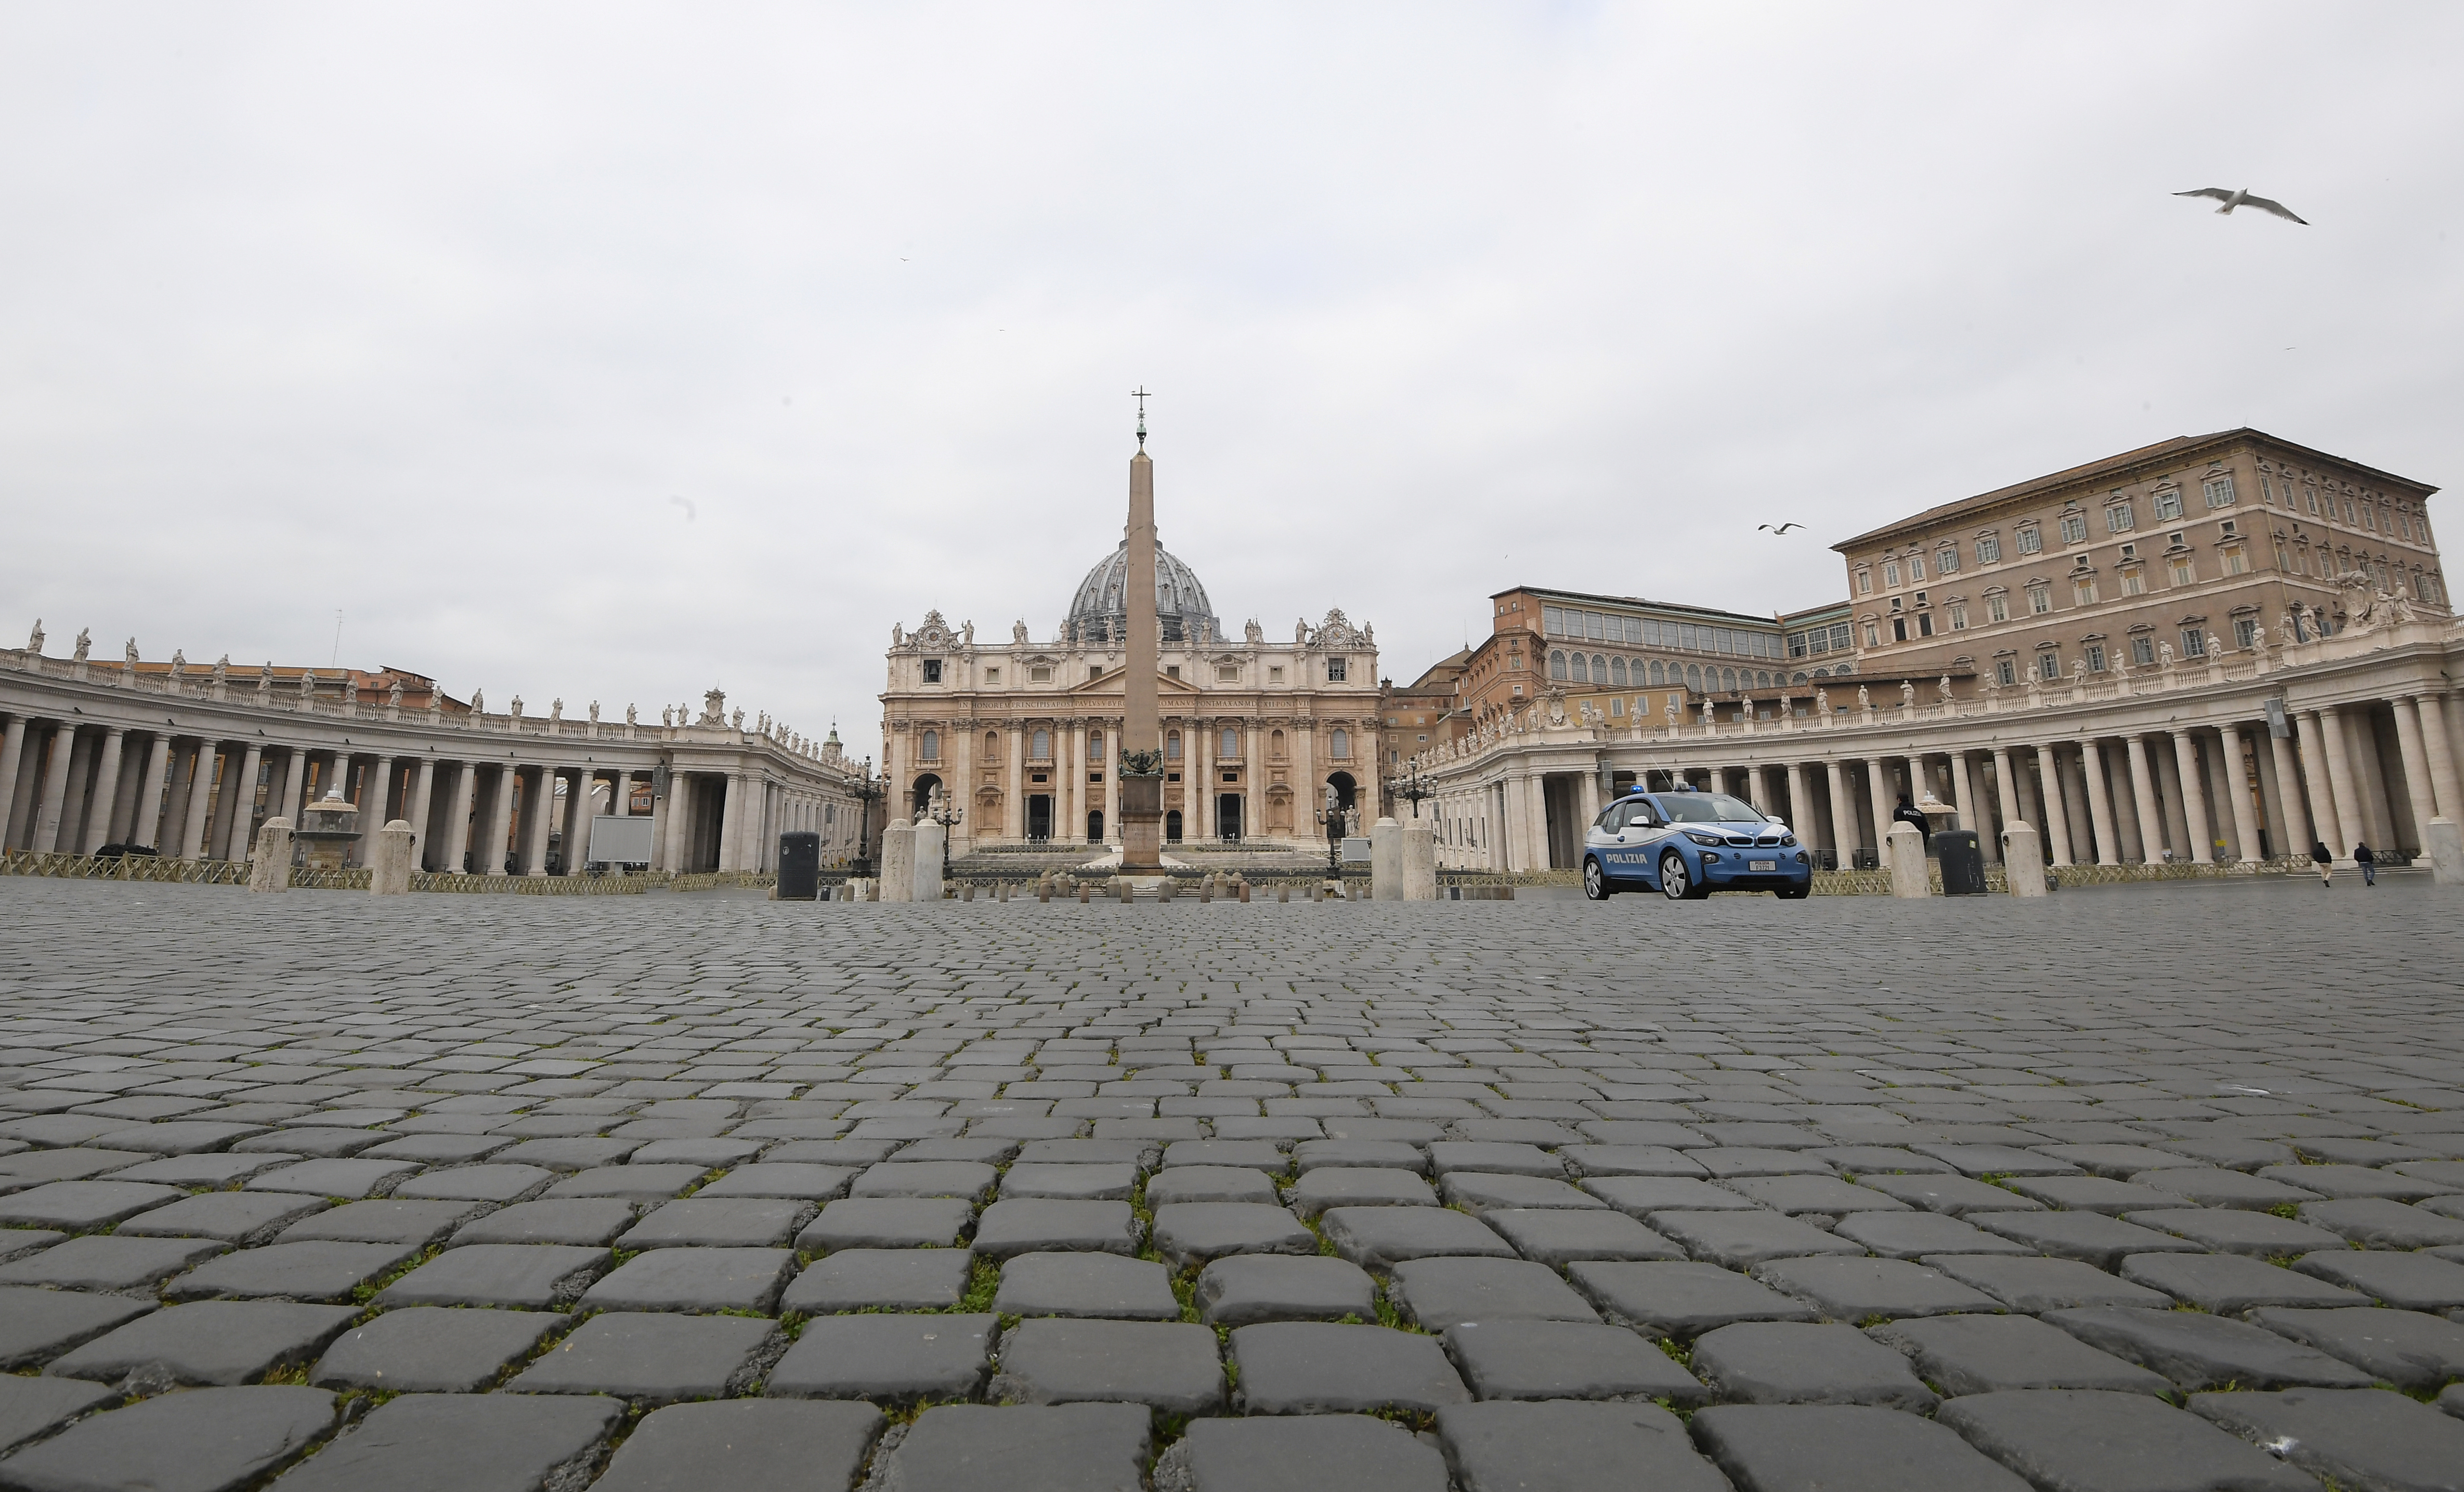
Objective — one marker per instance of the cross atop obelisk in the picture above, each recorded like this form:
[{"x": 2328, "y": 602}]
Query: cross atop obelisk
[{"x": 1141, "y": 729}]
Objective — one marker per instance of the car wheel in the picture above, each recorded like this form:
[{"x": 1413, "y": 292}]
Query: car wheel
[
  {"x": 1595, "y": 883},
  {"x": 1674, "y": 883},
  {"x": 1793, "y": 892}
]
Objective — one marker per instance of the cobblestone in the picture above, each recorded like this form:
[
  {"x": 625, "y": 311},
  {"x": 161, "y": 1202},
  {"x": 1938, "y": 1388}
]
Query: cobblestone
[{"x": 390, "y": 1146}]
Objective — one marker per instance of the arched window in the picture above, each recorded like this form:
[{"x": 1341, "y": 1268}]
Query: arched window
[
  {"x": 1617, "y": 672},
  {"x": 1171, "y": 746},
  {"x": 1341, "y": 743},
  {"x": 1659, "y": 676},
  {"x": 1556, "y": 665},
  {"x": 929, "y": 749},
  {"x": 1693, "y": 677},
  {"x": 1231, "y": 743},
  {"x": 1275, "y": 745},
  {"x": 992, "y": 743},
  {"x": 1800, "y": 676},
  {"x": 1762, "y": 678},
  {"x": 1043, "y": 746},
  {"x": 1599, "y": 669},
  {"x": 1728, "y": 680},
  {"x": 1582, "y": 672},
  {"x": 1095, "y": 746}
]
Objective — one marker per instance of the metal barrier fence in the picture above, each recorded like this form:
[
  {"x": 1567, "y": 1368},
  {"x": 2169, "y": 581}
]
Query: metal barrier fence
[{"x": 234, "y": 872}]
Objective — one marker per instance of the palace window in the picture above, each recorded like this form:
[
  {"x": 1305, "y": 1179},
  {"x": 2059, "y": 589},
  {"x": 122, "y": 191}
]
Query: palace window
[
  {"x": 2121, "y": 518},
  {"x": 2005, "y": 672},
  {"x": 1890, "y": 574},
  {"x": 2219, "y": 491},
  {"x": 1039, "y": 746},
  {"x": 932, "y": 671},
  {"x": 1694, "y": 677},
  {"x": 2142, "y": 649},
  {"x": 2194, "y": 642},
  {"x": 1231, "y": 744},
  {"x": 2369, "y": 519},
  {"x": 1557, "y": 663},
  {"x": 2244, "y": 632},
  {"x": 1998, "y": 607},
  {"x": 1959, "y": 618},
  {"x": 2040, "y": 599},
  {"x": 2180, "y": 570},
  {"x": 1227, "y": 673},
  {"x": 1864, "y": 581},
  {"x": 928, "y": 747},
  {"x": 1916, "y": 567},
  {"x": 1599, "y": 669},
  {"x": 1040, "y": 673},
  {"x": 2168, "y": 505},
  {"x": 1899, "y": 630},
  {"x": 992, "y": 675},
  {"x": 1171, "y": 746},
  {"x": 1728, "y": 680},
  {"x": 2074, "y": 528},
  {"x": 1338, "y": 669},
  {"x": 1582, "y": 671},
  {"x": 2031, "y": 539},
  {"x": 1946, "y": 562},
  {"x": 2236, "y": 560},
  {"x": 2310, "y": 501},
  {"x": 1925, "y": 624},
  {"x": 1095, "y": 746},
  {"x": 1616, "y": 672},
  {"x": 2049, "y": 666},
  {"x": 2134, "y": 581},
  {"x": 2096, "y": 657},
  {"x": 1872, "y": 635},
  {"x": 1659, "y": 675},
  {"x": 1988, "y": 549},
  {"x": 1339, "y": 744},
  {"x": 2083, "y": 590}
]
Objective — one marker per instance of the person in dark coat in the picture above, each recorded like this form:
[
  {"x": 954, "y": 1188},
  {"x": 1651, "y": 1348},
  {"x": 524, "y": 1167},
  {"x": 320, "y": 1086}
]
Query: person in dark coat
[
  {"x": 2368, "y": 863},
  {"x": 2325, "y": 862}
]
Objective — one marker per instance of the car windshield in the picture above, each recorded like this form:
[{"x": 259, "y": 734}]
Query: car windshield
[{"x": 1709, "y": 809}]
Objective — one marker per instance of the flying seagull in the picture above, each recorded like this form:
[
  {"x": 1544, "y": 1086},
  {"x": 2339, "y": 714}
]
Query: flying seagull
[
  {"x": 2240, "y": 197},
  {"x": 1781, "y": 529},
  {"x": 685, "y": 503}
]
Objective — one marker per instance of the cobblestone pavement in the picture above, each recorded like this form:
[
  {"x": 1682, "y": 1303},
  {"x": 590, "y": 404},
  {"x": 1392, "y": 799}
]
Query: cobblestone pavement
[{"x": 2150, "y": 1190}]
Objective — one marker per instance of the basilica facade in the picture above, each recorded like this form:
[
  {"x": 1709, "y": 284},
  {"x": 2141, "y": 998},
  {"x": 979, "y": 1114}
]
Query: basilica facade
[{"x": 1023, "y": 735}]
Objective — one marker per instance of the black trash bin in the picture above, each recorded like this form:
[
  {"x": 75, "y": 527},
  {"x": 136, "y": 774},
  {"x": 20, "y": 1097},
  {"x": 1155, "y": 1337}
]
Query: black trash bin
[
  {"x": 800, "y": 867},
  {"x": 1963, "y": 862}
]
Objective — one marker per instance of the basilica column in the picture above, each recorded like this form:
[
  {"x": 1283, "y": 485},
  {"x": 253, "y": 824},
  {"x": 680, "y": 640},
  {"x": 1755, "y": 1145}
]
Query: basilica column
[
  {"x": 2418, "y": 790},
  {"x": 1201, "y": 810},
  {"x": 1112, "y": 784},
  {"x": 2194, "y": 799},
  {"x": 1072, "y": 829},
  {"x": 1014, "y": 787},
  {"x": 1843, "y": 818},
  {"x": 2143, "y": 799},
  {"x": 2341, "y": 783},
  {"x": 2100, "y": 803},
  {"x": 961, "y": 791},
  {"x": 240, "y": 824}
]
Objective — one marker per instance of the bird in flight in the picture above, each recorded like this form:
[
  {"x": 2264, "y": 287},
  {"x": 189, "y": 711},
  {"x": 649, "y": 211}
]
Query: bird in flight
[
  {"x": 1779, "y": 529},
  {"x": 2240, "y": 197},
  {"x": 685, "y": 503}
]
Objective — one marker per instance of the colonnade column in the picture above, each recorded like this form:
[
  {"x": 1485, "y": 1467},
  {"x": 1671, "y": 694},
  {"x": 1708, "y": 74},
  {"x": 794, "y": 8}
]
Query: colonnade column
[
  {"x": 1754, "y": 790},
  {"x": 201, "y": 790},
  {"x": 539, "y": 815},
  {"x": 1535, "y": 822},
  {"x": 2288, "y": 792},
  {"x": 1798, "y": 805},
  {"x": 2100, "y": 803},
  {"x": 2143, "y": 799},
  {"x": 2194, "y": 799},
  {"x": 1014, "y": 786},
  {"x": 578, "y": 815},
  {"x": 2418, "y": 789},
  {"x": 2340, "y": 782},
  {"x": 146, "y": 825},
  {"x": 243, "y": 814},
  {"x": 458, "y": 817},
  {"x": 731, "y": 821},
  {"x": 12, "y": 754},
  {"x": 294, "y": 783},
  {"x": 1963, "y": 795},
  {"x": 2435, "y": 744},
  {"x": 416, "y": 806},
  {"x": 1843, "y": 818},
  {"x": 107, "y": 788},
  {"x": 491, "y": 860},
  {"x": 2237, "y": 782},
  {"x": 376, "y": 796},
  {"x": 2323, "y": 806},
  {"x": 1878, "y": 788},
  {"x": 2006, "y": 787},
  {"x": 2057, "y": 818},
  {"x": 674, "y": 805},
  {"x": 46, "y": 836}
]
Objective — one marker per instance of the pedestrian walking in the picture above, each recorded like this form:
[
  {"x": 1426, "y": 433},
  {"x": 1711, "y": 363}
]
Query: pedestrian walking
[
  {"x": 2325, "y": 862},
  {"x": 2368, "y": 863}
]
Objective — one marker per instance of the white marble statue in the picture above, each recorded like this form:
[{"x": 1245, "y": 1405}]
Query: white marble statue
[
  {"x": 516, "y": 711},
  {"x": 2288, "y": 629},
  {"x": 265, "y": 680},
  {"x": 629, "y": 716},
  {"x": 1908, "y": 695},
  {"x": 1943, "y": 688},
  {"x": 556, "y": 710},
  {"x": 1864, "y": 697},
  {"x": 34, "y": 644},
  {"x": 1821, "y": 700},
  {"x": 222, "y": 672},
  {"x": 85, "y": 645},
  {"x": 667, "y": 716},
  {"x": 967, "y": 633},
  {"x": 594, "y": 712},
  {"x": 307, "y": 685},
  {"x": 1252, "y": 632},
  {"x": 738, "y": 722},
  {"x": 179, "y": 664},
  {"x": 2164, "y": 655},
  {"x": 129, "y": 657},
  {"x": 2078, "y": 672},
  {"x": 1018, "y": 632},
  {"x": 478, "y": 701},
  {"x": 393, "y": 695},
  {"x": 897, "y": 635}
]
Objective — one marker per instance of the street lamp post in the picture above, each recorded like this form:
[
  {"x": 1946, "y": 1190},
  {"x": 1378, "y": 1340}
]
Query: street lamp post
[
  {"x": 866, "y": 791},
  {"x": 1332, "y": 816},
  {"x": 945, "y": 813},
  {"x": 1412, "y": 786}
]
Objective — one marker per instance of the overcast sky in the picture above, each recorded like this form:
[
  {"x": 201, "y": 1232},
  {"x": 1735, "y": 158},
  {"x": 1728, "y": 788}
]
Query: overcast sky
[{"x": 614, "y": 351}]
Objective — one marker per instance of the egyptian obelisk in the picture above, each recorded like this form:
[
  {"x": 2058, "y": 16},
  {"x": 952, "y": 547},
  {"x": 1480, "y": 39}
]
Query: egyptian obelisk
[{"x": 1141, "y": 729}]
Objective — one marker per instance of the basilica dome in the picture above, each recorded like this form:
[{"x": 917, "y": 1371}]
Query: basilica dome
[{"x": 1100, "y": 609}]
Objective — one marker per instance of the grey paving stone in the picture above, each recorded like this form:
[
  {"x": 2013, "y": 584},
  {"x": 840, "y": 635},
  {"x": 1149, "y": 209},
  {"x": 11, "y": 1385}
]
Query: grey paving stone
[
  {"x": 1842, "y": 1448},
  {"x": 1628, "y": 1160},
  {"x": 2375, "y": 1222},
  {"x": 1679, "y": 1300},
  {"x": 1498, "y": 1157},
  {"x": 1263, "y": 1156},
  {"x": 2198, "y": 1352},
  {"x": 2032, "y": 1284},
  {"x": 887, "y": 1358},
  {"x": 38, "y": 1324},
  {"x": 414, "y": 1224},
  {"x": 1824, "y": 1194},
  {"x": 1517, "y": 1359},
  {"x": 1558, "y": 1236},
  {"x": 853, "y": 1153},
  {"x": 18, "y": 1240},
  {"x": 1572, "y": 1447},
  {"x": 2353, "y": 1438},
  {"x": 2407, "y": 1282},
  {"x": 2092, "y": 1193},
  {"x": 348, "y": 1180},
  {"x": 1176, "y": 1184},
  {"x": 570, "y": 1154},
  {"x": 1379, "y": 1238},
  {"x": 641, "y": 1184},
  {"x": 785, "y": 1179},
  {"x": 229, "y": 1217},
  {"x": 213, "y": 1342},
  {"x": 1085, "y": 1284},
  {"x": 2235, "y": 1152},
  {"x": 439, "y": 1149},
  {"x": 1170, "y": 1367},
  {"x": 1862, "y": 1160},
  {"x": 2090, "y": 1237},
  {"x": 528, "y": 1276},
  {"x": 29, "y": 1407},
  {"x": 1740, "y": 1162},
  {"x": 1987, "y": 1355},
  {"x": 1189, "y": 1234},
  {"x": 1022, "y": 1225},
  {"x": 1142, "y": 1153},
  {"x": 1268, "y": 1455},
  {"x": 427, "y": 1350},
  {"x": 2354, "y": 1182},
  {"x": 1778, "y": 1362},
  {"x": 1061, "y": 1448},
  {"x": 175, "y": 1137},
  {"x": 1312, "y": 1368},
  {"x": 1245, "y": 1289},
  {"x": 1644, "y": 1196},
  {"x": 201, "y": 1440},
  {"x": 924, "y": 1279},
  {"x": 79, "y": 1206},
  {"x": 108, "y": 1264},
  {"x": 651, "y": 1357},
  {"x": 2217, "y": 1187},
  {"x": 290, "y": 1271},
  {"x": 695, "y": 1280},
  {"x": 324, "y": 1144},
  {"x": 2083, "y": 1440},
  {"x": 720, "y": 1223},
  {"x": 38, "y": 1168},
  {"x": 1913, "y": 1234},
  {"x": 707, "y": 1153},
  {"x": 980, "y": 1150},
  {"x": 1857, "y": 1289},
  {"x": 1741, "y": 1240},
  {"x": 2409, "y": 1349},
  {"x": 967, "y": 1180},
  {"x": 745, "y": 1445},
  {"x": 2230, "y": 1283},
  {"x": 469, "y": 1442},
  {"x": 1958, "y": 1196},
  {"x": 1437, "y": 1293},
  {"x": 1480, "y": 1191},
  {"x": 1359, "y": 1155},
  {"x": 1109, "y": 1182},
  {"x": 211, "y": 1170},
  {"x": 2119, "y": 1162},
  {"x": 2226, "y": 1230},
  {"x": 582, "y": 1220},
  {"x": 887, "y": 1222},
  {"x": 1346, "y": 1186},
  {"x": 493, "y": 1183},
  {"x": 1980, "y": 1160}
]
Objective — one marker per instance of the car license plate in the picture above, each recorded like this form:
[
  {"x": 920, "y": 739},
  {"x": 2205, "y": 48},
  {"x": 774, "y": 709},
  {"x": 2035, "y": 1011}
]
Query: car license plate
[{"x": 1762, "y": 865}]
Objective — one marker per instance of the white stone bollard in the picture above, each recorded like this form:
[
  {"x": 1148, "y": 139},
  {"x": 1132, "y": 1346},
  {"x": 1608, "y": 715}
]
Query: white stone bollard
[
  {"x": 899, "y": 862},
  {"x": 270, "y": 870},
  {"x": 1420, "y": 860},
  {"x": 930, "y": 836},
  {"x": 1903, "y": 850},
  {"x": 389, "y": 867},
  {"x": 1385, "y": 861},
  {"x": 2442, "y": 841},
  {"x": 2023, "y": 860}
]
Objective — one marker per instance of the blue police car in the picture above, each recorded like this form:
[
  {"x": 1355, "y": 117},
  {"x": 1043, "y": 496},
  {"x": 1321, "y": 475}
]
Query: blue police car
[{"x": 1687, "y": 844}]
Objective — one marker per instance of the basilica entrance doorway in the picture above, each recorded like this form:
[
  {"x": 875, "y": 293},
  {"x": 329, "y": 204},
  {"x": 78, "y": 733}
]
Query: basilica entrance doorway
[
  {"x": 1095, "y": 827},
  {"x": 1228, "y": 815},
  {"x": 1039, "y": 816},
  {"x": 1171, "y": 826}
]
